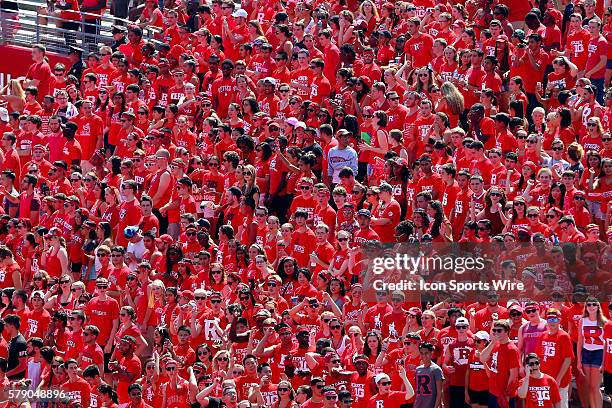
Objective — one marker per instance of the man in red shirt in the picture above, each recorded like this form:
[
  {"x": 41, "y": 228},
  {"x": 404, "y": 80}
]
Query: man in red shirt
[
  {"x": 38, "y": 318},
  {"x": 418, "y": 47},
  {"x": 39, "y": 74},
  {"x": 269, "y": 102},
  {"x": 387, "y": 214},
  {"x": 396, "y": 113},
  {"x": 127, "y": 368},
  {"x": 11, "y": 161},
  {"x": 481, "y": 165},
  {"x": 76, "y": 388},
  {"x": 538, "y": 389},
  {"x": 393, "y": 322},
  {"x": 303, "y": 239},
  {"x": 385, "y": 398},
  {"x": 106, "y": 70},
  {"x": 450, "y": 189},
  {"x": 473, "y": 78},
  {"x": 555, "y": 349},
  {"x": 222, "y": 90},
  {"x": 531, "y": 61},
  {"x": 130, "y": 213},
  {"x": 103, "y": 312},
  {"x": 91, "y": 132},
  {"x": 332, "y": 55},
  {"x": 595, "y": 68},
  {"x": 502, "y": 357},
  {"x": 320, "y": 88}
]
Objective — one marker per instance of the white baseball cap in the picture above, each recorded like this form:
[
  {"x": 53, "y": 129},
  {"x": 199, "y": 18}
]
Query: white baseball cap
[
  {"x": 240, "y": 13},
  {"x": 380, "y": 377},
  {"x": 4, "y": 115},
  {"x": 482, "y": 335}
]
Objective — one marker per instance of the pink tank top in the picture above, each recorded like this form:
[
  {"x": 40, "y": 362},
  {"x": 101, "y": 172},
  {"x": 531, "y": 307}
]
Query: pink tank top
[{"x": 531, "y": 336}]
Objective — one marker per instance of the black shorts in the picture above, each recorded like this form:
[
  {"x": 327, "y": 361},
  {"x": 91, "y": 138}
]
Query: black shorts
[
  {"x": 76, "y": 267},
  {"x": 479, "y": 397},
  {"x": 457, "y": 396},
  {"x": 107, "y": 357},
  {"x": 607, "y": 379}
]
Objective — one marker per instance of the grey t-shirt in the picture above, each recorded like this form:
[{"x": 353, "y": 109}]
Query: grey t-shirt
[{"x": 426, "y": 389}]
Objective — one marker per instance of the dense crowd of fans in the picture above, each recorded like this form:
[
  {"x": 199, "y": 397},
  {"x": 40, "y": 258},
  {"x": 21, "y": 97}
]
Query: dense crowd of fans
[{"x": 187, "y": 220}]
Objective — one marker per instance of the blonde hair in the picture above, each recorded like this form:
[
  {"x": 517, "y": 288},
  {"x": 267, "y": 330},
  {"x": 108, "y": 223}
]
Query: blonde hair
[
  {"x": 15, "y": 89},
  {"x": 374, "y": 9}
]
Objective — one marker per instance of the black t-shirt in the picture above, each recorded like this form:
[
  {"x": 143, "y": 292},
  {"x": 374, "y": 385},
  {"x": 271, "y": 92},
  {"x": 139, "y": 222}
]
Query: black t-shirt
[
  {"x": 16, "y": 348},
  {"x": 215, "y": 402}
]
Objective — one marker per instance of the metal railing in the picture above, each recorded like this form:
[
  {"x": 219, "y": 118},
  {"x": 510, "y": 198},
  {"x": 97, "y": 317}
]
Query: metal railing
[{"x": 57, "y": 34}]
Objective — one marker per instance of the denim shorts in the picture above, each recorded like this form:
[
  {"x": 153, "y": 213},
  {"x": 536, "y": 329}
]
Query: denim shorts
[{"x": 592, "y": 358}]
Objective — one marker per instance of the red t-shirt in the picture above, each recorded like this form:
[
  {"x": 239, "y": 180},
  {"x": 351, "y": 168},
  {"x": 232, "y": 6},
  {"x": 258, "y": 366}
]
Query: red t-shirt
[
  {"x": 393, "y": 399},
  {"x": 391, "y": 211},
  {"x": 553, "y": 349},
  {"x": 598, "y": 47},
  {"x": 542, "y": 392},
  {"x": 419, "y": 49},
  {"x": 101, "y": 314},
  {"x": 459, "y": 353},
  {"x": 90, "y": 130},
  {"x": 41, "y": 72},
  {"x": 78, "y": 391},
  {"x": 503, "y": 358}
]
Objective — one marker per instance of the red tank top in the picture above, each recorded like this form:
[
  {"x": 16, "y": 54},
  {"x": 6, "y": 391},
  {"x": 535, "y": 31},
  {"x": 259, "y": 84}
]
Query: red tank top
[
  {"x": 155, "y": 186},
  {"x": 54, "y": 266}
]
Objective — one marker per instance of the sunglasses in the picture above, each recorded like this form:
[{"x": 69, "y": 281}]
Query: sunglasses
[
  {"x": 498, "y": 330},
  {"x": 529, "y": 311},
  {"x": 385, "y": 383},
  {"x": 516, "y": 314}
]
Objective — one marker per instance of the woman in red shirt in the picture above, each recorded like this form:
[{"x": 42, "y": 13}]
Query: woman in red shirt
[{"x": 440, "y": 229}]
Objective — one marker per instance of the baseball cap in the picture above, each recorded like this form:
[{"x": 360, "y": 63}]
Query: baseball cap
[
  {"x": 482, "y": 335},
  {"x": 53, "y": 232},
  {"x": 292, "y": 121},
  {"x": 359, "y": 357},
  {"x": 37, "y": 293},
  {"x": 462, "y": 321},
  {"x": 365, "y": 213},
  {"x": 4, "y": 115},
  {"x": 382, "y": 376},
  {"x": 131, "y": 231},
  {"x": 167, "y": 239},
  {"x": 385, "y": 187},
  {"x": 425, "y": 158},
  {"x": 240, "y": 13},
  {"x": 187, "y": 294},
  {"x": 116, "y": 29},
  {"x": 516, "y": 307}
]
